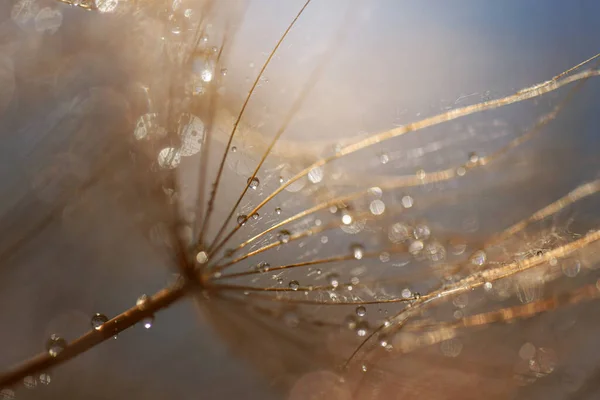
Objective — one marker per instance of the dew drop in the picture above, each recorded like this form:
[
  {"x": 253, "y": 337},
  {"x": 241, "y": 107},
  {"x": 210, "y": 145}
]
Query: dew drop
[
  {"x": 384, "y": 158},
  {"x": 233, "y": 149},
  {"x": 361, "y": 311},
  {"x": 315, "y": 175},
  {"x": 7, "y": 394},
  {"x": 398, "y": 233},
  {"x": 45, "y": 378},
  {"x": 357, "y": 251},
  {"x": 407, "y": 201},
  {"x": 346, "y": 218},
  {"x": 478, "y": 258},
  {"x": 527, "y": 351},
  {"x": 255, "y": 216},
  {"x": 487, "y": 286},
  {"x": 473, "y": 158},
  {"x": 461, "y": 171},
  {"x": 278, "y": 211},
  {"x": 241, "y": 219},
  {"x": 142, "y": 302},
  {"x": 383, "y": 341},
  {"x": 406, "y": 294},
  {"x": 55, "y": 345},
  {"x": 294, "y": 285},
  {"x": 415, "y": 247},
  {"x": 148, "y": 322},
  {"x": 284, "y": 236},
  {"x": 421, "y": 231},
  {"x": 169, "y": 158},
  {"x": 362, "y": 328},
  {"x": 363, "y": 368},
  {"x": 571, "y": 269},
  {"x": 202, "y": 257},
  {"x": 98, "y": 320},
  {"x": 224, "y": 71},
  {"x": 350, "y": 322},
  {"x": 377, "y": 207},
  {"x": 384, "y": 257},
  {"x": 263, "y": 266},
  {"x": 421, "y": 174},
  {"x": 30, "y": 382},
  {"x": 106, "y": 6},
  {"x": 334, "y": 280},
  {"x": 253, "y": 183},
  {"x": 451, "y": 348}
]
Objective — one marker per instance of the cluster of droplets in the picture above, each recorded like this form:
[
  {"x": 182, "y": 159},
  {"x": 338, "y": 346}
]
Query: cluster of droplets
[{"x": 29, "y": 382}]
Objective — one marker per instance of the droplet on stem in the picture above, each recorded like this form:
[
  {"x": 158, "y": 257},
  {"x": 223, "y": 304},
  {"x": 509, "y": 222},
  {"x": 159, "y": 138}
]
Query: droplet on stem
[
  {"x": 294, "y": 285},
  {"x": 253, "y": 183},
  {"x": 55, "y": 345},
  {"x": 98, "y": 320}
]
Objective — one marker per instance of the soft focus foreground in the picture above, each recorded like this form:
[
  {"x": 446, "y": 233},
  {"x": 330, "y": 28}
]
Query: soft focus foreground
[{"x": 423, "y": 221}]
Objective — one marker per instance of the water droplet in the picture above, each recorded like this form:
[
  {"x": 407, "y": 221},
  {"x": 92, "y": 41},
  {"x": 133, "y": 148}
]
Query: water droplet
[
  {"x": 571, "y": 269},
  {"x": 334, "y": 280},
  {"x": 45, "y": 378},
  {"x": 363, "y": 368},
  {"x": 406, "y": 294},
  {"x": 98, "y": 320},
  {"x": 224, "y": 71},
  {"x": 435, "y": 251},
  {"x": 354, "y": 280},
  {"x": 415, "y": 247},
  {"x": 188, "y": 13},
  {"x": 106, "y": 6},
  {"x": 384, "y": 158},
  {"x": 407, "y": 201},
  {"x": 487, "y": 286},
  {"x": 473, "y": 158},
  {"x": 421, "y": 231},
  {"x": 255, "y": 216},
  {"x": 278, "y": 211},
  {"x": 357, "y": 251},
  {"x": 253, "y": 183},
  {"x": 284, "y": 236},
  {"x": 241, "y": 219},
  {"x": 527, "y": 351},
  {"x": 346, "y": 218},
  {"x": 169, "y": 158},
  {"x": 148, "y": 321},
  {"x": 142, "y": 302},
  {"x": 384, "y": 257},
  {"x": 350, "y": 322},
  {"x": 202, "y": 257},
  {"x": 398, "y": 233},
  {"x": 451, "y": 348},
  {"x": 315, "y": 175},
  {"x": 7, "y": 394},
  {"x": 55, "y": 345},
  {"x": 233, "y": 149},
  {"x": 376, "y": 192},
  {"x": 421, "y": 174},
  {"x": 377, "y": 207},
  {"x": 362, "y": 328},
  {"x": 324, "y": 239},
  {"x": 30, "y": 382},
  {"x": 478, "y": 258},
  {"x": 461, "y": 301},
  {"x": 294, "y": 285},
  {"x": 263, "y": 266},
  {"x": 361, "y": 311},
  {"x": 461, "y": 171},
  {"x": 383, "y": 341}
]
